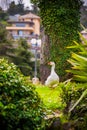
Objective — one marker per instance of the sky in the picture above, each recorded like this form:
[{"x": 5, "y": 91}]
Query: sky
[
  {"x": 27, "y": 3},
  {"x": 83, "y": 0},
  {"x": 3, "y": 3}
]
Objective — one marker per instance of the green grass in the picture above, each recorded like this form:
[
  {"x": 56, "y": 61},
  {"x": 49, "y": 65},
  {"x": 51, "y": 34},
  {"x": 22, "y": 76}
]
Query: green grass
[{"x": 51, "y": 97}]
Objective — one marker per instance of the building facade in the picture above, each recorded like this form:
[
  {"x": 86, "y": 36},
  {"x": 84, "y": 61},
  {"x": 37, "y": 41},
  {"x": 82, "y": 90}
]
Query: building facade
[{"x": 27, "y": 26}]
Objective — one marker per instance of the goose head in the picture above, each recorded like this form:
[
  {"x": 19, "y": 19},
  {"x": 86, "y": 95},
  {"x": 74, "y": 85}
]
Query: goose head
[{"x": 51, "y": 63}]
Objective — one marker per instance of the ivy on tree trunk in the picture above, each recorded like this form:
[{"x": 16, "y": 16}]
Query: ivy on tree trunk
[{"x": 61, "y": 21}]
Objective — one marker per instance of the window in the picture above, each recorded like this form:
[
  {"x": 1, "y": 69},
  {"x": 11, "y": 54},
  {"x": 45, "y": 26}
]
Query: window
[
  {"x": 31, "y": 24},
  {"x": 32, "y": 20},
  {"x": 20, "y": 33},
  {"x": 20, "y": 24},
  {"x": 32, "y": 33}
]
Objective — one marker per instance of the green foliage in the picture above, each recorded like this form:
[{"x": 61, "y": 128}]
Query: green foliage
[
  {"x": 3, "y": 15},
  {"x": 77, "y": 105},
  {"x": 3, "y": 34},
  {"x": 12, "y": 8},
  {"x": 79, "y": 67},
  {"x": 61, "y": 20},
  {"x": 64, "y": 97},
  {"x": 16, "y": 8},
  {"x": 75, "y": 111},
  {"x": 50, "y": 97},
  {"x": 79, "y": 100},
  {"x": 20, "y": 105},
  {"x": 70, "y": 93},
  {"x": 22, "y": 57},
  {"x": 16, "y": 51},
  {"x": 5, "y": 41},
  {"x": 79, "y": 61}
]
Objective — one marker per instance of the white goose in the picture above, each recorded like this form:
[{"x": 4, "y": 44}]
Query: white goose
[{"x": 53, "y": 77}]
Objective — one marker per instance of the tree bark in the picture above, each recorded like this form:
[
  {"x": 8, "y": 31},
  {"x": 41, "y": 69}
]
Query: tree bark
[{"x": 45, "y": 54}]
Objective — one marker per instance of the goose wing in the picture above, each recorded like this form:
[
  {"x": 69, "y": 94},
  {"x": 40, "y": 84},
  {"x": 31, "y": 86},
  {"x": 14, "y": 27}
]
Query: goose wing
[{"x": 51, "y": 78}]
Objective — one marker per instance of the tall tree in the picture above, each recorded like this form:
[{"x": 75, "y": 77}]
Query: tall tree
[
  {"x": 12, "y": 8},
  {"x": 20, "y": 1},
  {"x": 16, "y": 8},
  {"x": 16, "y": 51},
  {"x": 45, "y": 53},
  {"x": 22, "y": 57},
  {"x": 3, "y": 15},
  {"x": 61, "y": 20},
  {"x": 20, "y": 7}
]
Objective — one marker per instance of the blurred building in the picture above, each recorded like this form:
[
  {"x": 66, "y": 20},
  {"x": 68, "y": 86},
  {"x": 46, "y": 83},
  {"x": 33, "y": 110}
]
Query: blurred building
[
  {"x": 27, "y": 27},
  {"x": 84, "y": 33},
  {"x": 24, "y": 26}
]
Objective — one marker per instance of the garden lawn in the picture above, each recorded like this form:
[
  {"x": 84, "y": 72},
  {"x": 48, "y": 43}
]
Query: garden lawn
[{"x": 50, "y": 97}]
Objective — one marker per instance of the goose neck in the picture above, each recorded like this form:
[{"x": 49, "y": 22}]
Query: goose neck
[{"x": 52, "y": 68}]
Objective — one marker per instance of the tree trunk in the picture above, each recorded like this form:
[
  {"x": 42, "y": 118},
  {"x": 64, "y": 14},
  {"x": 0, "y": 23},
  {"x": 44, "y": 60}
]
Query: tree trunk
[{"x": 45, "y": 54}]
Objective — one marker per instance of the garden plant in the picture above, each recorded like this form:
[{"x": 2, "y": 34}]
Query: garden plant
[{"x": 20, "y": 105}]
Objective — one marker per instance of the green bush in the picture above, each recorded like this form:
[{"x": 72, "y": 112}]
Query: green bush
[
  {"x": 75, "y": 94},
  {"x": 78, "y": 60},
  {"x": 75, "y": 110},
  {"x": 20, "y": 105}
]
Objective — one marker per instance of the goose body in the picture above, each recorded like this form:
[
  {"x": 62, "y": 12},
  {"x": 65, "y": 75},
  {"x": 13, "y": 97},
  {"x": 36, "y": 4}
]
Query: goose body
[{"x": 53, "y": 77}]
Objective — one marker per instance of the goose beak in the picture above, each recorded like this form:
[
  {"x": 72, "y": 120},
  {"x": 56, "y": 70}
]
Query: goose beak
[{"x": 48, "y": 63}]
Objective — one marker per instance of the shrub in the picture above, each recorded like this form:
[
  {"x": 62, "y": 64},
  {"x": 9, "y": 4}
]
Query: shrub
[
  {"x": 20, "y": 105},
  {"x": 78, "y": 61},
  {"x": 74, "y": 97},
  {"x": 75, "y": 94}
]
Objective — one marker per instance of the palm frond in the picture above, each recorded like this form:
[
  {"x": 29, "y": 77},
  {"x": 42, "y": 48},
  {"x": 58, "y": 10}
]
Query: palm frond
[{"x": 78, "y": 101}]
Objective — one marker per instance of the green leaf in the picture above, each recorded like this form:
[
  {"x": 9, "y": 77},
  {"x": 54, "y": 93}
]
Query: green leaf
[{"x": 79, "y": 100}]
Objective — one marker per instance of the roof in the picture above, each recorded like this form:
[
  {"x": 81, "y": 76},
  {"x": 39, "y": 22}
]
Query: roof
[
  {"x": 14, "y": 18},
  {"x": 30, "y": 15}
]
